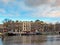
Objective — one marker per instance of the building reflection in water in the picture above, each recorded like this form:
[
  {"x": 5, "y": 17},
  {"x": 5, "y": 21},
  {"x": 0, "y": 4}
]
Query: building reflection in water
[{"x": 24, "y": 40}]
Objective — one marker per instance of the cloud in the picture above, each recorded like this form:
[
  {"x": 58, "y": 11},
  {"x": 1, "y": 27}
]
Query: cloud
[
  {"x": 14, "y": 8},
  {"x": 33, "y": 8},
  {"x": 57, "y": 2},
  {"x": 54, "y": 14},
  {"x": 10, "y": 8},
  {"x": 5, "y": 1},
  {"x": 44, "y": 8},
  {"x": 41, "y": 11},
  {"x": 35, "y": 2}
]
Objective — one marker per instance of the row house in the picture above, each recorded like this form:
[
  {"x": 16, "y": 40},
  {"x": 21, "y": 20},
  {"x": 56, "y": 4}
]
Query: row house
[
  {"x": 29, "y": 26},
  {"x": 17, "y": 26}
]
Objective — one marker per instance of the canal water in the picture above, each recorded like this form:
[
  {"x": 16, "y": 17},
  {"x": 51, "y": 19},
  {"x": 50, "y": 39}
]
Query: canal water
[{"x": 31, "y": 40}]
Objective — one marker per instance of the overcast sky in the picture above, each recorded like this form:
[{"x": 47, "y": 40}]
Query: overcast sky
[{"x": 45, "y": 10}]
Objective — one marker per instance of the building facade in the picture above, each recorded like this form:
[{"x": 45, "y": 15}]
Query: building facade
[
  {"x": 29, "y": 26},
  {"x": 17, "y": 27},
  {"x": 26, "y": 26}
]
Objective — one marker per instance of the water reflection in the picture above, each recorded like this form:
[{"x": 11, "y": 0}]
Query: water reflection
[
  {"x": 31, "y": 40},
  {"x": 22, "y": 40}
]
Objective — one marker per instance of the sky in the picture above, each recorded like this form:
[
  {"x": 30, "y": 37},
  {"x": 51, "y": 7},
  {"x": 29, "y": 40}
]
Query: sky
[{"x": 27, "y": 10}]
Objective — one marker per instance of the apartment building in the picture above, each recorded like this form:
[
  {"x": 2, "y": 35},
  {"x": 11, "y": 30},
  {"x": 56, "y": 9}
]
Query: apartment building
[{"x": 26, "y": 26}]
